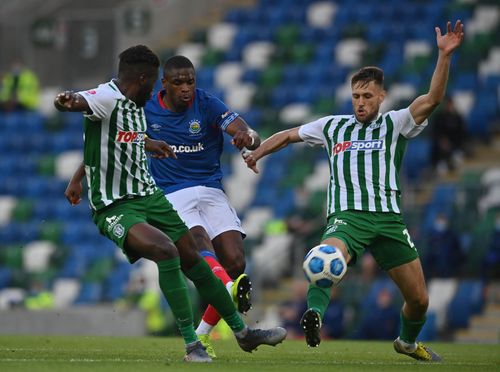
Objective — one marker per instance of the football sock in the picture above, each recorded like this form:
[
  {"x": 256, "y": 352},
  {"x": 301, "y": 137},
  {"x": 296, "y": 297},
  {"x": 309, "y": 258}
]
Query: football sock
[
  {"x": 213, "y": 291},
  {"x": 410, "y": 329},
  {"x": 318, "y": 299},
  {"x": 211, "y": 317},
  {"x": 216, "y": 267},
  {"x": 174, "y": 288}
]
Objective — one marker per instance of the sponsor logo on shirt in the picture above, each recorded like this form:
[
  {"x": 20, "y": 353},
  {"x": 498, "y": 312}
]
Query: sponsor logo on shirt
[
  {"x": 194, "y": 126},
  {"x": 155, "y": 127},
  {"x": 129, "y": 136},
  {"x": 188, "y": 149},
  {"x": 361, "y": 145}
]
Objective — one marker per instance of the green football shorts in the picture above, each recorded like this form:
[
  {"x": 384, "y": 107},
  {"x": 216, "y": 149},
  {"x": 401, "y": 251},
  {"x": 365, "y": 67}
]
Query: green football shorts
[
  {"x": 384, "y": 234},
  {"x": 115, "y": 220}
]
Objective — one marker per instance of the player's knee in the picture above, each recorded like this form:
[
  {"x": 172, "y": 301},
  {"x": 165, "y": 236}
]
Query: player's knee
[
  {"x": 161, "y": 250},
  {"x": 236, "y": 267},
  {"x": 419, "y": 303}
]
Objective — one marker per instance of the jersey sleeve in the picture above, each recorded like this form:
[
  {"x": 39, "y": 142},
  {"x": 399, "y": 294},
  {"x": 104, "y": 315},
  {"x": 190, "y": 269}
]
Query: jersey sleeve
[
  {"x": 101, "y": 101},
  {"x": 405, "y": 124},
  {"x": 312, "y": 133},
  {"x": 218, "y": 112}
]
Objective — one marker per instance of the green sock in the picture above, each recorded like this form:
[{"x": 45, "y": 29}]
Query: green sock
[
  {"x": 213, "y": 291},
  {"x": 174, "y": 288},
  {"x": 410, "y": 329},
  {"x": 318, "y": 299}
]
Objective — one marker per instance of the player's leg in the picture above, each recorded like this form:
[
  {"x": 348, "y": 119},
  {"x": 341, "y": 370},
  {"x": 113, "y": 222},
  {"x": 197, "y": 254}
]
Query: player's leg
[
  {"x": 318, "y": 299},
  {"x": 210, "y": 317},
  {"x": 214, "y": 292},
  {"x": 395, "y": 252},
  {"x": 210, "y": 288},
  {"x": 126, "y": 224},
  {"x": 339, "y": 232},
  {"x": 409, "y": 278},
  {"x": 230, "y": 251},
  {"x": 225, "y": 231}
]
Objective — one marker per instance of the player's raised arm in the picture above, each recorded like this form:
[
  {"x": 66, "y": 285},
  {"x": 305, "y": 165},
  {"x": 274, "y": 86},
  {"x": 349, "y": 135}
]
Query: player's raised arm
[
  {"x": 71, "y": 101},
  {"x": 274, "y": 143},
  {"x": 423, "y": 105}
]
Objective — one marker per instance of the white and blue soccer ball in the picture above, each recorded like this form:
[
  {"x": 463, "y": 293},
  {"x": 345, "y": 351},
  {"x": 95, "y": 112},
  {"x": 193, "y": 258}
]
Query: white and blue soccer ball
[{"x": 324, "y": 266}]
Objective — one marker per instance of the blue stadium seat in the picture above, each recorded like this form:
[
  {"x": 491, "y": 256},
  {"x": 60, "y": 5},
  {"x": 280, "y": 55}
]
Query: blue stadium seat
[
  {"x": 115, "y": 285},
  {"x": 468, "y": 300},
  {"x": 89, "y": 293},
  {"x": 429, "y": 330},
  {"x": 417, "y": 158},
  {"x": 5, "y": 277}
]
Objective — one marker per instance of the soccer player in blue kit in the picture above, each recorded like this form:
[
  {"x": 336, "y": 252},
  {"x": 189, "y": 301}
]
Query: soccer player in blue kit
[{"x": 193, "y": 121}]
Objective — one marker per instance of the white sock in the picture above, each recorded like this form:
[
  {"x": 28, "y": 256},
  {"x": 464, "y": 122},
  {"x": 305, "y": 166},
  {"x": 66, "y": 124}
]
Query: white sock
[
  {"x": 241, "y": 333},
  {"x": 229, "y": 287},
  {"x": 408, "y": 347},
  {"x": 204, "y": 328}
]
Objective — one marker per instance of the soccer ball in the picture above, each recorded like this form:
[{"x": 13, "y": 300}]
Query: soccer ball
[{"x": 324, "y": 266}]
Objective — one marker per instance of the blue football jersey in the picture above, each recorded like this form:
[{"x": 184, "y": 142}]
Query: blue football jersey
[{"x": 196, "y": 136}]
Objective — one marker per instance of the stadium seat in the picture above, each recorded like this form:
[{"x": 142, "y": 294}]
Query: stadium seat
[{"x": 468, "y": 300}]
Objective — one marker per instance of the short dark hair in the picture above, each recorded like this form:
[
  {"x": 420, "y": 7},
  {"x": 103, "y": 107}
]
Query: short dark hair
[
  {"x": 367, "y": 74},
  {"x": 176, "y": 62},
  {"x": 137, "y": 60}
]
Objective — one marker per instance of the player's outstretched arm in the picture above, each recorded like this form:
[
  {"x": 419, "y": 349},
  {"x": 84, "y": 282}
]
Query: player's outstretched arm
[
  {"x": 274, "y": 143},
  {"x": 74, "y": 189},
  {"x": 423, "y": 105},
  {"x": 71, "y": 101}
]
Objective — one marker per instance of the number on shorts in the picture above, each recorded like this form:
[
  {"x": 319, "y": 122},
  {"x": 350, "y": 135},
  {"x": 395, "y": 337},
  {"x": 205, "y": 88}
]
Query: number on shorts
[{"x": 407, "y": 234}]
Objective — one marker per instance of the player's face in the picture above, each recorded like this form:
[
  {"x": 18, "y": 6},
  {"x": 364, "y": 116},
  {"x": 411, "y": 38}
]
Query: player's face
[
  {"x": 179, "y": 85},
  {"x": 146, "y": 84},
  {"x": 366, "y": 100}
]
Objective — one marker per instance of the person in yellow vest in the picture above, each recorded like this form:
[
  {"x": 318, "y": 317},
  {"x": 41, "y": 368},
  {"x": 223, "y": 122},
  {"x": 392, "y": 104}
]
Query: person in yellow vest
[{"x": 20, "y": 89}]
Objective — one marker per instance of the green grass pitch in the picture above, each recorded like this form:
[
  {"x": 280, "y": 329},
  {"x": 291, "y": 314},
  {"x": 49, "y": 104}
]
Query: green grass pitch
[{"x": 60, "y": 353}]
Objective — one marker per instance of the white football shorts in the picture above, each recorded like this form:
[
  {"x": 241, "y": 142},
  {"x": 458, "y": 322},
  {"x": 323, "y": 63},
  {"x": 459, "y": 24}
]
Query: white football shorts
[{"x": 207, "y": 207}]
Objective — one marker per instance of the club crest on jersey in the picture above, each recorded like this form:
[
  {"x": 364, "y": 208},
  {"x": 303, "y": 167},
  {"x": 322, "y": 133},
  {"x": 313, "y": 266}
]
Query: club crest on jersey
[
  {"x": 194, "y": 126},
  {"x": 129, "y": 136},
  {"x": 361, "y": 145}
]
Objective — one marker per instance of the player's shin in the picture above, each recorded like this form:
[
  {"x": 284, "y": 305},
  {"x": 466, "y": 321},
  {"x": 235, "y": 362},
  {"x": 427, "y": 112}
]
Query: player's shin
[
  {"x": 213, "y": 291},
  {"x": 410, "y": 329},
  {"x": 174, "y": 288},
  {"x": 318, "y": 299}
]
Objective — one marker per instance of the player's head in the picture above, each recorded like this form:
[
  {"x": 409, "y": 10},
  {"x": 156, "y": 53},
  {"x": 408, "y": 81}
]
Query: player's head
[
  {"x": 368, "y": 93},
  {"x": 179, "y": 82},
  {"x": 138, "y": 68}
]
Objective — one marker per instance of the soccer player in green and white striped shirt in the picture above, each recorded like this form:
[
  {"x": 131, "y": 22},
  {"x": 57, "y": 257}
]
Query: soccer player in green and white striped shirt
[
  {"x": 365, "y": 151},
  {"x": 132, "y": 211}
]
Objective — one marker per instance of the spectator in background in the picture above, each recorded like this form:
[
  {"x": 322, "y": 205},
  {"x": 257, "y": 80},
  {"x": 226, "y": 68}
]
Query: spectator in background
[
  {"x": 20, "y": 89},
  {"x": 382, "y": 321},
  {"x": 491, "y": 262},
  {"x": 448, "y": 138},
  {"x": 444, "y": 256}
]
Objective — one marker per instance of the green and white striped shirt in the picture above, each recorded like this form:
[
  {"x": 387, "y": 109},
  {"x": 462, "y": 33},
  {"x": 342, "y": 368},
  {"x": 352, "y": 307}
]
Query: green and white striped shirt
[
  {"x": 365, "y": 159},
  {"x": 114, "y": 153}
]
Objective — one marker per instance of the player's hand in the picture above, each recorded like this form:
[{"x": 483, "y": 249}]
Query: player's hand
[
  {"x": 74, "y": 192},
  {"x": 159, "y": 149},
  {"x": 66, "y": 100},
  {"x": 250, "y": 160},
  {"x": 242, "y": 139},
  {"x": 450, "y": 41}
]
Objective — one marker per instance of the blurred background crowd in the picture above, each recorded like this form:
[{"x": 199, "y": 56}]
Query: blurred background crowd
[{"x": 279, "y": 63}]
